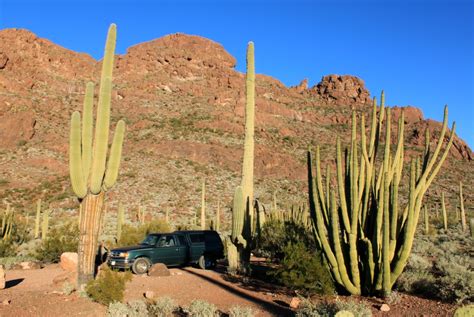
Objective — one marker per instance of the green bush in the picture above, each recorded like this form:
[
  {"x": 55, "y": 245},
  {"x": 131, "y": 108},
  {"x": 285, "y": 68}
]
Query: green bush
[
  {"x": 60, "y": 239},
  {"x": 132, "y": 235},
  {"x": 7, "y": 248},
  {"x": 304, "y": 270},
  {"x": 277, "y": 234},
  {"x": 108, "y": 287}
]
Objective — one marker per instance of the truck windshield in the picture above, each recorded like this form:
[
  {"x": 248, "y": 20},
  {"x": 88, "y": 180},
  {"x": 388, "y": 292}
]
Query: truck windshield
[{"x": 150, "y": 240}]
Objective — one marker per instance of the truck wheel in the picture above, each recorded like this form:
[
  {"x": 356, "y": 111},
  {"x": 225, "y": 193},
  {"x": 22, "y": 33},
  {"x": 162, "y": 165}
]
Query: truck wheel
[
  {"x": 205, "y": 262},
  {"x": 141, "y": 266}
]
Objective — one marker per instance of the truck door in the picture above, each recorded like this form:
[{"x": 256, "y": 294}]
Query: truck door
[
  {"x": 182, "y": 250},
  {"x": 165, "y": 250}
]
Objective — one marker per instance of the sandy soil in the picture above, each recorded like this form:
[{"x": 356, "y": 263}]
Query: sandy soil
[{"x": 32, "y": 293}]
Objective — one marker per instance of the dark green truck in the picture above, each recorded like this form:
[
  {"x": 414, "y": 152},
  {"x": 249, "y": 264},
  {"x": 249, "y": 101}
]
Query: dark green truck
[{"x": 201, "y": 247}]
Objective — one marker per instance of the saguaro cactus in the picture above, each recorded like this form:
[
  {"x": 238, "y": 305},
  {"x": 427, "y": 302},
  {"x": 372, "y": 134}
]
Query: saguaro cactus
[
  {"x": 92, "y": 174},
  {"x": 203, "y": 205},
  {"x": 463, "y": 212},
  {"x": 365, "y": 238},
  {"x": 243, "y": 218},
  {"x": 445, "y": 214},
  {"x": 37, "y": 220},
  {"x": 120, "y": 220}
]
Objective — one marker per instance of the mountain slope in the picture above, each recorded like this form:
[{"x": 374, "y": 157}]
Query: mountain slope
[{"x": 183, "y": 102}]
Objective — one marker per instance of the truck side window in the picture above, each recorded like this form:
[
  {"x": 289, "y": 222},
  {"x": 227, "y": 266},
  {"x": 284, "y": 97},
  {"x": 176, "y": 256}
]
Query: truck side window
[
  {"x": 196, "y": 238},
  {"x": 166, "y": 241},
  {"x": 182, "y": 241}
]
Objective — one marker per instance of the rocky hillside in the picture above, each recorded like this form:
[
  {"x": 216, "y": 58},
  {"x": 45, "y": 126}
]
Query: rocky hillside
[{"x": 183, "y": 102}]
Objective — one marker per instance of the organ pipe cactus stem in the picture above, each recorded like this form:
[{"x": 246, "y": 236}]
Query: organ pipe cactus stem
[{"x": 363, "y": 236}]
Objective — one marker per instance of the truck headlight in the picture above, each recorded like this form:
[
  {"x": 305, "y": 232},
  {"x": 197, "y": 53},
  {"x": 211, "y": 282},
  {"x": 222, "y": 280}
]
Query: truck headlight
[{"x": 123, "y": 254}]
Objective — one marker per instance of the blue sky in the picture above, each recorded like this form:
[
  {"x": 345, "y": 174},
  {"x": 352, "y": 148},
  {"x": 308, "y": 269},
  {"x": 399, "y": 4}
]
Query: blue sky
[{"x": 420, "y": 52}]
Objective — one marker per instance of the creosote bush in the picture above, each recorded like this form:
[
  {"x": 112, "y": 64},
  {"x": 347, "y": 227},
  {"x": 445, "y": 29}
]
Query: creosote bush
[
  {"x": 200, "y": 308},
  {"x": 108, "y": 287},
  {"x": 241, "y": 311},
  {"x": 60, "y": 239},
  {"x": 163, "y": 307},
  {"x": 304, "y": 269},
  {"x": 326, "y": 309}
]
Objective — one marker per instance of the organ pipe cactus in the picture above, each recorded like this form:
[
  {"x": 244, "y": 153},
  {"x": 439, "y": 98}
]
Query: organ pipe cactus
[
  {"x": 45, "y": 224},
  {"x": 243, "y": 219},
  {"x": 365, "y": 234},
  {"x": 91, "y": 172},
  {"x": 7, "y": 223}
]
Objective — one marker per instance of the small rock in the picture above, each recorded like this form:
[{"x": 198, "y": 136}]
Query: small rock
[
  {"x": 2, "y": 277},
  {"x": 6, "y": 302},
  {"x": 384, "y": 307},
  {"x": 295, "y": 302},
  {"x": 68, "y": 261},
  {"x": 149, "y": 294},
  {"x": 159, "y": 269}
]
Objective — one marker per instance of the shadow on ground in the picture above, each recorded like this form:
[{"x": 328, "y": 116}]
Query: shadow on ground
[
  {"x": 268, "y": 306},
  {"x": 12, "y": 283}
]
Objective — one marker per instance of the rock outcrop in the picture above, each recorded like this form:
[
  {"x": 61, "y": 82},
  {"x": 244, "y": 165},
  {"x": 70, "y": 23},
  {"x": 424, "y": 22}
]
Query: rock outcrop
[{"x": 341, "y": 90}]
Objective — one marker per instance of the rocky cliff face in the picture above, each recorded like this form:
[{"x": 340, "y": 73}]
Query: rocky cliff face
[{"x": 183, "y": 102}]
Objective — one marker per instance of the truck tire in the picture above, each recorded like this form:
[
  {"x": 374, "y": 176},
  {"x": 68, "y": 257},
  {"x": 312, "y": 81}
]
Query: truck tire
[
  {"x": 205, "y": 262},
  {"x": 141, "y": 266}
]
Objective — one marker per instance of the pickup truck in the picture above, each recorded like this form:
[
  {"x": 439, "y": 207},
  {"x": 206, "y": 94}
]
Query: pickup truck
[{"x": 201, "y": 247}]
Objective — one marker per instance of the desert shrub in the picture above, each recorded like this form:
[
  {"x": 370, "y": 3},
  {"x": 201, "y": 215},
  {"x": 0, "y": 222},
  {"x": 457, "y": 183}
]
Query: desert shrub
[
  {"x": 277, "y": 234},
  {"x": 10, "y": 261},
  {"x": 304, "y": 269},
  {"x": 327, "y": 309},
  {"x": 200, "y": 308},
  {"x": 440, "y": 267},
  {"x": 108, "y": 287},
  {"x": 132, "y": 235},
  {"x": 136, "y": 308},
  {"x": 163, "y": 307},
  {"x": 60, "y": 239},
  {"x": 68, "y": 288},
  {"x": 7, "y": 248},
  {"x": 241, "y": 311}
]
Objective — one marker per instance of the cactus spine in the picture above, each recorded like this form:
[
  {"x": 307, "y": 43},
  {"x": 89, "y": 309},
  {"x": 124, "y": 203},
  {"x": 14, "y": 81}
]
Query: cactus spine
[
  {"x": 38, "y": 218},
  {"x": 90, "y": 172},
  {"x": 463, "y": 212},
  {"x": 364, "y": 237},
  {"x": 243, "y": 214},
  {"x": 203, "y": 205},
  {"x": 445, "y": 215}
]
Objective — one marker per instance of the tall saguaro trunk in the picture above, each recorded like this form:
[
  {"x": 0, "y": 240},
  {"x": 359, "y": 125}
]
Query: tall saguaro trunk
[{"x": 89, "y": 229}]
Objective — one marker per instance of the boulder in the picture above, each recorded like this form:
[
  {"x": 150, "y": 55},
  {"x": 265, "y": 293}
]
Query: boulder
[
  {"x": 2, "y": 277},
  {"x": 68, "y": 261},
  {"x": 149, "y": 294},
  {"x": 384, "y": 308},
  {"x": 159, "y": 269}
]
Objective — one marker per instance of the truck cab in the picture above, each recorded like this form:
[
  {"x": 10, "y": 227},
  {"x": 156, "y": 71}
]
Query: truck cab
[{"x": 201, "y": 247}]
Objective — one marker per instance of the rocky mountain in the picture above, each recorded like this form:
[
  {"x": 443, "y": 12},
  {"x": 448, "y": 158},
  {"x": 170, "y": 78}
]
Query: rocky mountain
[{"x": 183, "y": 103}]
